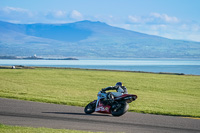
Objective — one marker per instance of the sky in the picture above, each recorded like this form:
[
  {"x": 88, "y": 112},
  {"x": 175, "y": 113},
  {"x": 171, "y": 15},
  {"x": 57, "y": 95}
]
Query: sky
[{"x": 174, "y": 19}]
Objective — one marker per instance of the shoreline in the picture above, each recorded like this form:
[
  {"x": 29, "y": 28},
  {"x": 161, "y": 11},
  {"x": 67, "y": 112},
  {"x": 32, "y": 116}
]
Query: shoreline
[
  {"x": 39, "y": 59},
  {"x": 35, "y": 58},
  {"x": 33, "y": 67}
]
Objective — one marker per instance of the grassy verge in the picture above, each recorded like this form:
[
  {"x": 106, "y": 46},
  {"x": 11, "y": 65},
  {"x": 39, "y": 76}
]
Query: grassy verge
[
  {"x": 19, "y": 129},
  {"x": 157, "y": 93}
]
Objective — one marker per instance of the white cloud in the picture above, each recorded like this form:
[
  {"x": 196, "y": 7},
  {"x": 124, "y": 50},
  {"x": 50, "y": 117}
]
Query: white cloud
[
  {"x": 76, "y": 15},
  {"x": 165, "y": 18},
  {"x": 20, "y": 15},
  {"x": 134, "y": 19},
  {"x": 13, "y": 14},
  {"x": 60, "y": 14},
  {"x": 153, "y": 18},
  {"x": 162, "y": 25},
  {"x": 54, "y": 15},
  {"x": 13, "y": 9}
]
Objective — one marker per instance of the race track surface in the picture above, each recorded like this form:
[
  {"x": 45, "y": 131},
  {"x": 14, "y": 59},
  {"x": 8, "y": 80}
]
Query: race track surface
[{"x": 25, "y": 113}]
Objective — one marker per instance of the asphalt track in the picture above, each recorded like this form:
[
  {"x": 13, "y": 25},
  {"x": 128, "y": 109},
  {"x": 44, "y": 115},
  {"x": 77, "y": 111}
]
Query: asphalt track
[{"x": 34, "y": 114}]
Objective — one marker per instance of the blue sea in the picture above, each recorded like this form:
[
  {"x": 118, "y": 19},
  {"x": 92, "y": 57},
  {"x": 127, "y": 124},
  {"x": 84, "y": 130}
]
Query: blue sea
[{"x": 185, "y": 66}]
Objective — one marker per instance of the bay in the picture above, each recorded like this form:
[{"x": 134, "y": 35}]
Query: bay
[{"x": 186, "y": 66}]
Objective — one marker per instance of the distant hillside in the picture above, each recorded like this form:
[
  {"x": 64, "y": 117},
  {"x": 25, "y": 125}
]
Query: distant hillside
[{"x": 89, "y": 39}]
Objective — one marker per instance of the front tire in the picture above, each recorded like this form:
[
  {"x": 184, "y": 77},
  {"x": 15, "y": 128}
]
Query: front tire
[
  {"x": 90, "y": 108},
  {"x": 120, "y": 111}
]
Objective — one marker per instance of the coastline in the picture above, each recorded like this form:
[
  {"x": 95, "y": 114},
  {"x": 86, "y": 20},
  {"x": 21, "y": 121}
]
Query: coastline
[
  {"x": 34, "y": 58},
  {"x": 35, "y": 67},
  {"x": 178, "y": 66}
]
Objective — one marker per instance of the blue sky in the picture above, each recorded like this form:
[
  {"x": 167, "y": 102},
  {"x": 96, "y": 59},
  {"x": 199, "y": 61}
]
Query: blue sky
[{"x": 175, "y": 19}]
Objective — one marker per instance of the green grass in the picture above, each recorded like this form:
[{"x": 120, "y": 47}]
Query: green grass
[
  {"x": 19, "y": 129},
  {"x": 157, "y": 93}
]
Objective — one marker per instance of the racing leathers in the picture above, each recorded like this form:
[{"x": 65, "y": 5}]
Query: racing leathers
[{"x": 120, "y": 90}]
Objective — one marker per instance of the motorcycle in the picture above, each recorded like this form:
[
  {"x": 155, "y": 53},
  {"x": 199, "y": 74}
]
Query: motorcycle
[{"x": 116, "y": 106}]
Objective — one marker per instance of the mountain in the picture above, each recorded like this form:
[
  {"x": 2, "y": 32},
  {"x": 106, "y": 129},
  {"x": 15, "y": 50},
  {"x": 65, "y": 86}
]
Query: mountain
[{"x": 88, "y": 39}]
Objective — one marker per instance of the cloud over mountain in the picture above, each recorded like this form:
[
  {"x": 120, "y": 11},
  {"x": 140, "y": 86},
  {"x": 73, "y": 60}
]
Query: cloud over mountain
[
  {"x": 154, "y": 23},
  {"x": 165, "y": 18},
  {"x": 76, "y": 15}
]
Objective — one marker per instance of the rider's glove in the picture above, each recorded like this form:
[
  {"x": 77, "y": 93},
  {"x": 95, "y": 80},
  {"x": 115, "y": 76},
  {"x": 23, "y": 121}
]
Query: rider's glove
[
  {"x": 103, "y": 90},
  {"x": 116, "y": 87}
]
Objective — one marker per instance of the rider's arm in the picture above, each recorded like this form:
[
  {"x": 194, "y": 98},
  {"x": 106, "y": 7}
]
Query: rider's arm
[
  {"x": 109, "y": 88},
  {"x": 125, "y": 90}
]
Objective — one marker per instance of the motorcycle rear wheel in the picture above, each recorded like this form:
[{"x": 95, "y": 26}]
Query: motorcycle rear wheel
[
  {"x": 122, "y": 110},
  {"x": 90, "y": 108}
]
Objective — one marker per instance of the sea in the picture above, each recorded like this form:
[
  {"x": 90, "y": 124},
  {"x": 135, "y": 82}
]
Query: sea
[{"x": 179, "y": 66}]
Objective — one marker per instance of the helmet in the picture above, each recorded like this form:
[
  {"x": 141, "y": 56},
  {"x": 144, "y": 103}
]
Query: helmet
[{"x": 119, "y": 84}]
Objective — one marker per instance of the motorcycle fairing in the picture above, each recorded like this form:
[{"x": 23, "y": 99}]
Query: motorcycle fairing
[
  {"x": 128, "y": 97},
  {"x": 101, "y": 108},
  {"x": 125, "y": 95}
]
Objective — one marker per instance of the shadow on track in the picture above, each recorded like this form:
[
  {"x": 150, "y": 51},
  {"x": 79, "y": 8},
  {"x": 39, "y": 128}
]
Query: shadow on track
[{"x": 70, "y": 113}]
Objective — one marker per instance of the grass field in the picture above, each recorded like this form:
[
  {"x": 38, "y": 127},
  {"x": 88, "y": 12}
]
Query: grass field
[
  {"x": 19, "y": 129},
  {"x": 157, "y": 93}
]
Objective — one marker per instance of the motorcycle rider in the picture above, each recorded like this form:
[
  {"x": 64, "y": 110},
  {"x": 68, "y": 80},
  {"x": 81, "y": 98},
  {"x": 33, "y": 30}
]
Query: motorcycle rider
[{"x": 120, "y": 91}]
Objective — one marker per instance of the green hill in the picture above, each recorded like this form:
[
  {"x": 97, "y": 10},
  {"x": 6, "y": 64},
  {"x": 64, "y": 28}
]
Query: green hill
[{"x": 89, "y": 39}]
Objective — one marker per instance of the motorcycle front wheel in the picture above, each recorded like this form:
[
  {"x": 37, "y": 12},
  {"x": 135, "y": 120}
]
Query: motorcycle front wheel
[
  {"x": 118, "y": 111},
  {"x": 90, "y": 108}
]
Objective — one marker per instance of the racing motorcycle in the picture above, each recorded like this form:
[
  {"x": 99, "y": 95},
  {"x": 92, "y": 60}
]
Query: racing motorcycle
[{"x": 116, "y": 106}]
